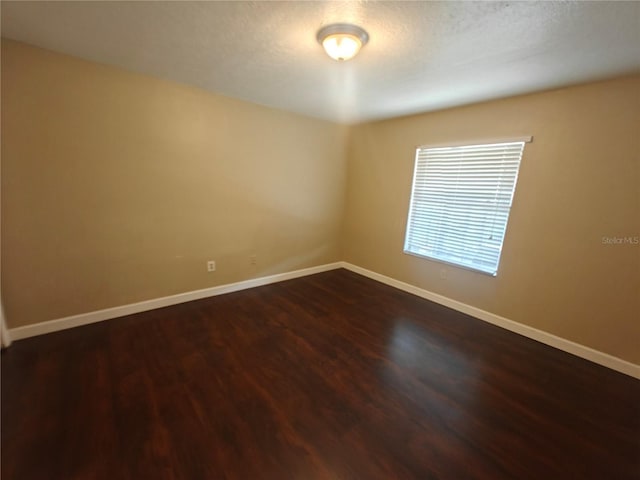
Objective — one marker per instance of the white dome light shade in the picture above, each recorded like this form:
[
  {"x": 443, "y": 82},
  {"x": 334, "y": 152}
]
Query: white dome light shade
[
  {"x": 342, "y": 41},
  {"x": 341, "y": 47}
]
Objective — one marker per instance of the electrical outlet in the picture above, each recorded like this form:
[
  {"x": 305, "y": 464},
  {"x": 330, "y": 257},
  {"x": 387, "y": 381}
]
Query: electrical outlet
[
  {"x": 253, "y": 259},
  {"x": 211, "y": 266}
]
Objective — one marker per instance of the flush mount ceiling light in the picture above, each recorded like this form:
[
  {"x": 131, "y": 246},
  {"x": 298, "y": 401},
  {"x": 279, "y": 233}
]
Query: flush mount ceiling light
[{"x": 342, "y": 41}]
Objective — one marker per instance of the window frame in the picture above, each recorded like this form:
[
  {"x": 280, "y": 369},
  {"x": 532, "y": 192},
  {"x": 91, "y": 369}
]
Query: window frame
[{"x": 477, "y": 143}]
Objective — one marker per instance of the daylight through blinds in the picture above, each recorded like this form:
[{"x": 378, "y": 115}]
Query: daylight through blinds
[{"x": 460, "y": 203}]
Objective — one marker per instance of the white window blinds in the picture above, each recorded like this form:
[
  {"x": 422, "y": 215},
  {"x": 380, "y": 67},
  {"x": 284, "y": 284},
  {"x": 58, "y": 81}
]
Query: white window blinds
[{"x": 460, "y": 203}]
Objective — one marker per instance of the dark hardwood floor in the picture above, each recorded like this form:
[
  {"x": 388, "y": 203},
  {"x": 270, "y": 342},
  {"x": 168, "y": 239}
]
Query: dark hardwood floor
[{"x": 332, "y": 376}]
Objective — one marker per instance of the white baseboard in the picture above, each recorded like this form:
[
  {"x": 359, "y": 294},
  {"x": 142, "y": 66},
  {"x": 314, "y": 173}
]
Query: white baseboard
[
  {"x": 568, "y": 346},
  {"x": 109, "y": 313},
  {"x": 5, "y": 337},
  {"x": 582, "y": 351}
]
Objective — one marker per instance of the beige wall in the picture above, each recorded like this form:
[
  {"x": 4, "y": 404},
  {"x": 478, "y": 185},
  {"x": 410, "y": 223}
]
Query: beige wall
[
  {"x": 118, "y": 187},
  {"x": 579, "y": 181}
]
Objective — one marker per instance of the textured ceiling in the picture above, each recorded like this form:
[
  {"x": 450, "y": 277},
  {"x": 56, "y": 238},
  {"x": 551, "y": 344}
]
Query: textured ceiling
[{"x": 421, "y": 56}]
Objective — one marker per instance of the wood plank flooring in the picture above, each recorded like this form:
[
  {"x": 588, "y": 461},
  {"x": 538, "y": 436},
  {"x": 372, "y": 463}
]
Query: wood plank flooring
[{"x": 331, "y": 376}]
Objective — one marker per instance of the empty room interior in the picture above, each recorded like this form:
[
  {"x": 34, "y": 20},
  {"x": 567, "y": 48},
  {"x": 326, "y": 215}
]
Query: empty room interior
[{"x": 320, "y": 240}]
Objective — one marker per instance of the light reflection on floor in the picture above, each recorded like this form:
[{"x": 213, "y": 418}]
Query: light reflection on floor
[{"x": 419, "y": 358}]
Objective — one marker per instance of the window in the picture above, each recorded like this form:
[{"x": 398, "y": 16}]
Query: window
[{"x": 460, "y": 202}]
